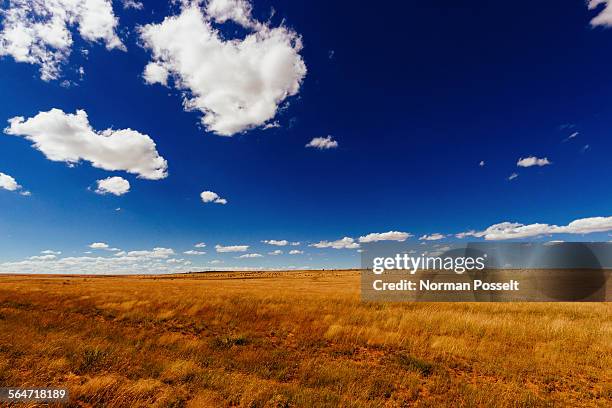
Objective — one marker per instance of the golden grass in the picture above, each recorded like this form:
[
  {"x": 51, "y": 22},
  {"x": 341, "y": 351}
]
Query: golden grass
[{"x": 299, "y": 339}]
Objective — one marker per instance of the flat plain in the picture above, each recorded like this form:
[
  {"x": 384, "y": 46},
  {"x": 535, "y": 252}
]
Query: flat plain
[{"x": 294, "y": 339}]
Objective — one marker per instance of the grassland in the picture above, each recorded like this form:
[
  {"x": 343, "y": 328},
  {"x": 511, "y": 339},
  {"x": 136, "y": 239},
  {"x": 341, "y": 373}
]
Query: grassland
[{"x": 299, "y": 339}]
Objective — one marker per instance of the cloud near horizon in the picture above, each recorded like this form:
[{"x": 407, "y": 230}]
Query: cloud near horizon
[
  {"x": 231, "y": 248},
  {"x": 344, "y": 243},
  {"x": 275, "y": 242},
  {"x": 513, "y": 230},
  {"x": 432, "y": 237},
  {"x": 385, "y": 236}
]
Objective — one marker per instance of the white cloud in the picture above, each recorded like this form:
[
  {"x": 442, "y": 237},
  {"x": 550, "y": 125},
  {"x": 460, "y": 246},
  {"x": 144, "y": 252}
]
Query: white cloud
[
  {"x": 192, "y": 252},
  {"x": 295, "y": 252},
  {"x": 9, "y": 183},
  {"x": 70, "y": 138},
  {"x": 237, "y": 84},
  {"x": 323, "y": 143},
  {"x": 513, "y": 230},
  {"x": 512, "y": 176},
  {"x": 432, "y": 237},
  {"x": 215, "y": 262},
  {"x": 470, "y": 233},
  {"x": 344, "y": 243},
  {"x": 200, "y": 245},
  {"x": 234, "y": 10},
  {"x": 212, "y": 197},
  {"x": 155, "y": 74},
  {"x": 42, "y": 257},
  {"x": 572, "y": 136},
  {"x": 249, "y": 256},
  {"x": 38, "y": 32},
  {"x": 161, "y": 253},
  {"x": 113, "y": 185},
  {"x": 294, "y": 243},
  {"x": 276, "y": 252},
  {"x": 532, "y": 161},
  {"x": 157, "y": 260},
  {"x": 385, "y": 236},
  {"x": 482, "y": 163},
  {"x": 99, "y": 245},
  {"x": 50, "y": 252},
  {"x": 271, "y": 125},
  {"x": 231, "y": 248},
  {"x": 275, "y": 242},
  {"x": 132, "y": 4},
  {"x": 604, "y": 17}
]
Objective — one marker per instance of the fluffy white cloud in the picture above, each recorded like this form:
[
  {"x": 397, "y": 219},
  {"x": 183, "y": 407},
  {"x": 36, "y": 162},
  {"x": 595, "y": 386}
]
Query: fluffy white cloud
[
  {"x": 532, "y": 161},
  {"x": 385, "y": 236},
  {"x": 271, "y": 125},
  {"x": 157, "y": 260},
  {"x": 604, "y": 17},
  {"x": 237, "y": 84},
  {"x": 212, "y": 197},
  {"x": 38, "y": 31},
  {"x": 470, "y": 233},
  {"x": 234, "y": 10},
  {"x": 294, "y": 243},
  {"x": 249, "y": 256},
  {"x": 432, "y": 237},
  {"x": 276, "y": 252},
  {"x": 295, "y": 252},
  {"x": 50, "y": 252},
  {"x": 155, "y": 74},
  {"x": 9, "y": 183},
  {"x": 161, "y": 253},
  {"x": 70, "y": 138},
  {"x": 200, "y": 245},
  {"x": 231, "y": 248},
  {"x": 192, "y": 252},
  {"x": 99, "y": 245},
  {"x": 344, "y": 243},
  {"x": 275, "y": 242},
  {"x": 482, "y": 163},
  {"x": 132, "y": 4},
  {"x": 42, "y": 257},
  {"x": 512, "y": 230},
  {"x": 323, "y": 143},
  {"x": 113, "y": 185}
]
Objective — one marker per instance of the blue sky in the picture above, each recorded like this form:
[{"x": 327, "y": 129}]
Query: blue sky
[{"x": 415, "y": 97}]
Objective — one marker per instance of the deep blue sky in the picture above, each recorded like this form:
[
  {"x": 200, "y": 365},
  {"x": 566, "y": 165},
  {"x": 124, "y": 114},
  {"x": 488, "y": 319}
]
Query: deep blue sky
[{"x": 416, "y": 94}]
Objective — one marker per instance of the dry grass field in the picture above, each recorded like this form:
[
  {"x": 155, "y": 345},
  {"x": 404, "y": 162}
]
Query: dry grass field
[{"x": 294, "y": 339}]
